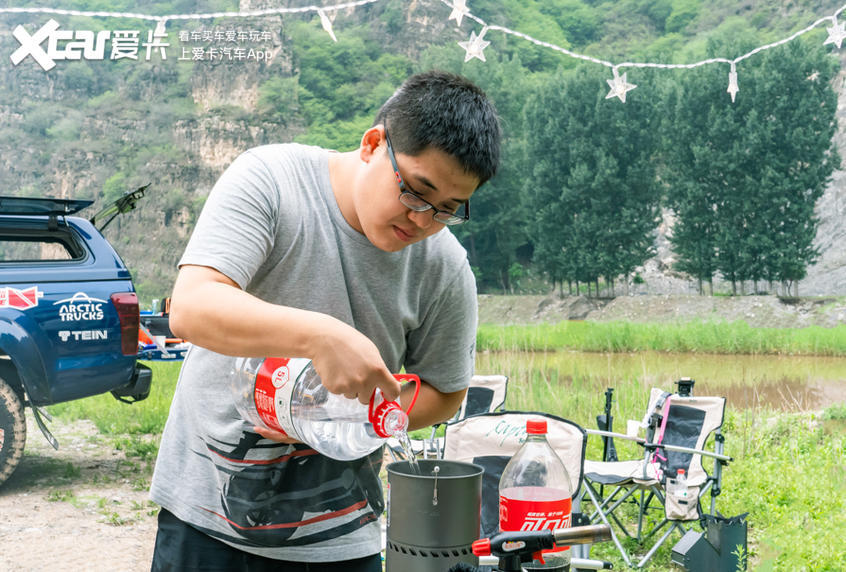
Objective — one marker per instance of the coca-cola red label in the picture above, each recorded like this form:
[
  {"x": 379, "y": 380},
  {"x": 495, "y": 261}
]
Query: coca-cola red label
[{"x": 534, "y": 515}]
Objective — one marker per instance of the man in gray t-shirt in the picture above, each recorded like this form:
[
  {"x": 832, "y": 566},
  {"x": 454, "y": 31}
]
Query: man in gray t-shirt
[{"x": 338, "y": 258}]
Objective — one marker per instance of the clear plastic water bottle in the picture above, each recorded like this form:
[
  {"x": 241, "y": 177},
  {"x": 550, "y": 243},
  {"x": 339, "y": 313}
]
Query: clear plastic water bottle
[
  {"x": 680, "y": 487},
  {"x": 534, "y": 489},
  {"x": 287, "y": 395}
]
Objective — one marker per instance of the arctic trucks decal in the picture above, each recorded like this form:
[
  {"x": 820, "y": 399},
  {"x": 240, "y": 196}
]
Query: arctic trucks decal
[{"x": 80, "y": 307}]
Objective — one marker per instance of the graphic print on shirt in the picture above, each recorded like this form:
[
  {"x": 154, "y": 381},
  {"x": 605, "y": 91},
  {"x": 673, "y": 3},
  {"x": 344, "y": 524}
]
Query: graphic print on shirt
[{"x": 295, "y": 499}]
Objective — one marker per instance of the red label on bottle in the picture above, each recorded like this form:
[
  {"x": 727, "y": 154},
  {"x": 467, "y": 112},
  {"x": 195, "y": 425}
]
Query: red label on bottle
[
  {"x": 272, "y": 376},
  {"x": 523, "y": 514}
]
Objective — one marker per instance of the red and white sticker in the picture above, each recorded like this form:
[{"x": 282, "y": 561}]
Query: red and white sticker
[
  {"x": 275, "y": 382},
  {"x": 280, "y": 376},
  {"x": 20, "y": 299}
]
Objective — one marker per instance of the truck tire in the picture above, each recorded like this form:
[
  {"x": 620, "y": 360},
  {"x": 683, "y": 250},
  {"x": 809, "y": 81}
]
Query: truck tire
[{"x": 12, "y": 430}]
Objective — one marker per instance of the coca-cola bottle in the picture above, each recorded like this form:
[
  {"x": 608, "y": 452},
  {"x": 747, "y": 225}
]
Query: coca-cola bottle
[
  {"x": 287, "y": 395},
  {"x": 534, "y": 490}
]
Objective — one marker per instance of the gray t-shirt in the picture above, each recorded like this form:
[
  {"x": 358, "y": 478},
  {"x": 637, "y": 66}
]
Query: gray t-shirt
[{"x": 272, "y": 225}]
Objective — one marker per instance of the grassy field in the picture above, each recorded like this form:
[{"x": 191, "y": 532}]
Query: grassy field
[
  {"x": 788, "y": 470},
  {"x": 704, "y": 337}
]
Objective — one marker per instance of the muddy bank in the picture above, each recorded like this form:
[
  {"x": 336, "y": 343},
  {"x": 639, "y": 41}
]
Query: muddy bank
[{"x": 757, "y": 311}]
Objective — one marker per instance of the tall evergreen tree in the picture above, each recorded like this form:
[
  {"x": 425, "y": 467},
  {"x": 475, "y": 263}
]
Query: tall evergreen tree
[
  {"x": 697, "y": 130},
  {"x": 743, "y": 178},
  {"x": 593, "y": 190},
  {"x": 793, "y": 90}
]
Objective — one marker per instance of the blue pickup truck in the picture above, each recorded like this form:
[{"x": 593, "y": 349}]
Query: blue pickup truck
[{"x": 69, "y": 315}]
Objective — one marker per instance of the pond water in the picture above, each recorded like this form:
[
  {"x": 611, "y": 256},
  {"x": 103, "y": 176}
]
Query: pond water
[{"x": 788, "y": 383}]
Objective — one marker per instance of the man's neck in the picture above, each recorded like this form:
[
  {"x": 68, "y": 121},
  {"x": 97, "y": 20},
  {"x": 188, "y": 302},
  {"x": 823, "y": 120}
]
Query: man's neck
[{"x": 342, "y": 170}]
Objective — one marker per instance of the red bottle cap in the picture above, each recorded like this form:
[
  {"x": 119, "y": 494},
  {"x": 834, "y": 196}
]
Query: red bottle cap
[
  {"x": 536, "y": 426},
  {"x": 378, "y": 416},
  {"x": 482, "y": 547}
]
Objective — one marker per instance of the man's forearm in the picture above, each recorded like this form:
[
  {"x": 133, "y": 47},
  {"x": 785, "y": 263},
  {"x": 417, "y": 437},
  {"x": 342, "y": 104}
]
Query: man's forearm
[
  {"x": 228, "y": 320},
  {"x": 431, "y": 407}
]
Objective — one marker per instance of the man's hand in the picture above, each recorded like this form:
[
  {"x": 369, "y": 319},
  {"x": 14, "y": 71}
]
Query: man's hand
[
  {"x": 210, "y": 310},
  {"x": 274, "y": 435},
  {"x": 349, "y": 363}
]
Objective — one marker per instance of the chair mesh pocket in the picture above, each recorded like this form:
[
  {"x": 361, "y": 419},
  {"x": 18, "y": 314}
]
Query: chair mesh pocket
[{"x": 683, "y": 508}]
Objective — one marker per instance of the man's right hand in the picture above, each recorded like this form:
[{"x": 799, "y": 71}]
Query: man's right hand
[
  {"x": 210, "y": 310},
  {"x": 349, "y": 363}
]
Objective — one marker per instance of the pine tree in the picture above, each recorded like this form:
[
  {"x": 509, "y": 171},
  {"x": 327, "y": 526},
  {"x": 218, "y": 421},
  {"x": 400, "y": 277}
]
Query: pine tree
[
  {"x": 593, "y": 190},
  {"x": 743, "y": 177}
]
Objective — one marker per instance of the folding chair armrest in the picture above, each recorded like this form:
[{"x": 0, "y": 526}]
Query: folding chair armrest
[
  {"x": 718, "y": 456},
  {"x": 640, "y": 440}
]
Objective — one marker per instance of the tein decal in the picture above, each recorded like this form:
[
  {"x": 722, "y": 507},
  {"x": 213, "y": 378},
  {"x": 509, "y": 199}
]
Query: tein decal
[
  {"x": 21, "y": 299},
  {"x": 84, "y": 335}
]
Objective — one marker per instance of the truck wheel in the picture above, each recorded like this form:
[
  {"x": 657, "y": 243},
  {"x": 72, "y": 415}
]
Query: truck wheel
[{"x": 12, "y": 430}]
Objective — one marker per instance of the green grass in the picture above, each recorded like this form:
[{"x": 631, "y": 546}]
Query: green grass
[
  {"x": 791, "y": 480},
  {"x": 788, "y": 470},
  {"x": 700, "y": 337},
  {"x": 114, "y": 418}
]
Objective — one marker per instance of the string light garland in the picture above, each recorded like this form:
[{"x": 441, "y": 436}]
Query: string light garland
[
  {"x": 618, "y": 84},
  {"x": 161, "y": 21},
  {"x": 475, "y": 45}
]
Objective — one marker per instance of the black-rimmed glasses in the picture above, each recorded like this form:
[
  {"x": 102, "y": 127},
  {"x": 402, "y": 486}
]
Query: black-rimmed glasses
[{"x": 411, "y": 199}]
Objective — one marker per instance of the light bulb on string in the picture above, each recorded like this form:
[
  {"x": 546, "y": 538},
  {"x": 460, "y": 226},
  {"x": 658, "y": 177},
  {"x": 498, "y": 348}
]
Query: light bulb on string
[
  {"x": 475, "y": 45},
  {"x": 327, "y": 24},
  {"x": 459, "y": 10},
  {"x": 732, "y": 87},
  {"x": 619, "y": 86},
  {"x": 160, "y": 28}
]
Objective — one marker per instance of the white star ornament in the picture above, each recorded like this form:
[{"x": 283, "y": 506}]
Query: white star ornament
[
  {"x": 474, "y": 46},
  {"x": 619, "y": 87}
]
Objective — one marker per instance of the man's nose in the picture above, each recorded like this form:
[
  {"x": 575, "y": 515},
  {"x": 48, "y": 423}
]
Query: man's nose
[{"x": 423, "y": 219}]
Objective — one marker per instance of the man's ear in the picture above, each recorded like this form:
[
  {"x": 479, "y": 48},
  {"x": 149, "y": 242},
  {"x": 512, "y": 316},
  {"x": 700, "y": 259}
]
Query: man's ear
[{"x": 370, "y": 141}]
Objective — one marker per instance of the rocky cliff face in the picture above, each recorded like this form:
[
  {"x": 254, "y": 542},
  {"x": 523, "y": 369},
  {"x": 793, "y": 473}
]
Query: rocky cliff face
[
  {"x": 226, "y": 124},
  {"x": 828, "y": 275}
]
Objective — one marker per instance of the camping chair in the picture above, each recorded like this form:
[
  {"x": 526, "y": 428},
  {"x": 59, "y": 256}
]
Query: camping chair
[
  {"x": 678, "y": 426},
  {"x": 485, "y": 394},
  {"x": 491, "y": 439}
]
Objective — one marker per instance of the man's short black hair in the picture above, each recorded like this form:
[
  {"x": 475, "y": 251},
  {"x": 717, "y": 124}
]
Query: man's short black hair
[{"x": 446, "y": 112}]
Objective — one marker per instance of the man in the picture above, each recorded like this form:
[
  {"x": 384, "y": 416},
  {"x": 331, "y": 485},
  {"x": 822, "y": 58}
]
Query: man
[{"x": 339, "y": 258}]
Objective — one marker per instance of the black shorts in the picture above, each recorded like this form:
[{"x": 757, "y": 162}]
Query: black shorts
[{"x": 181, "y": 547}]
